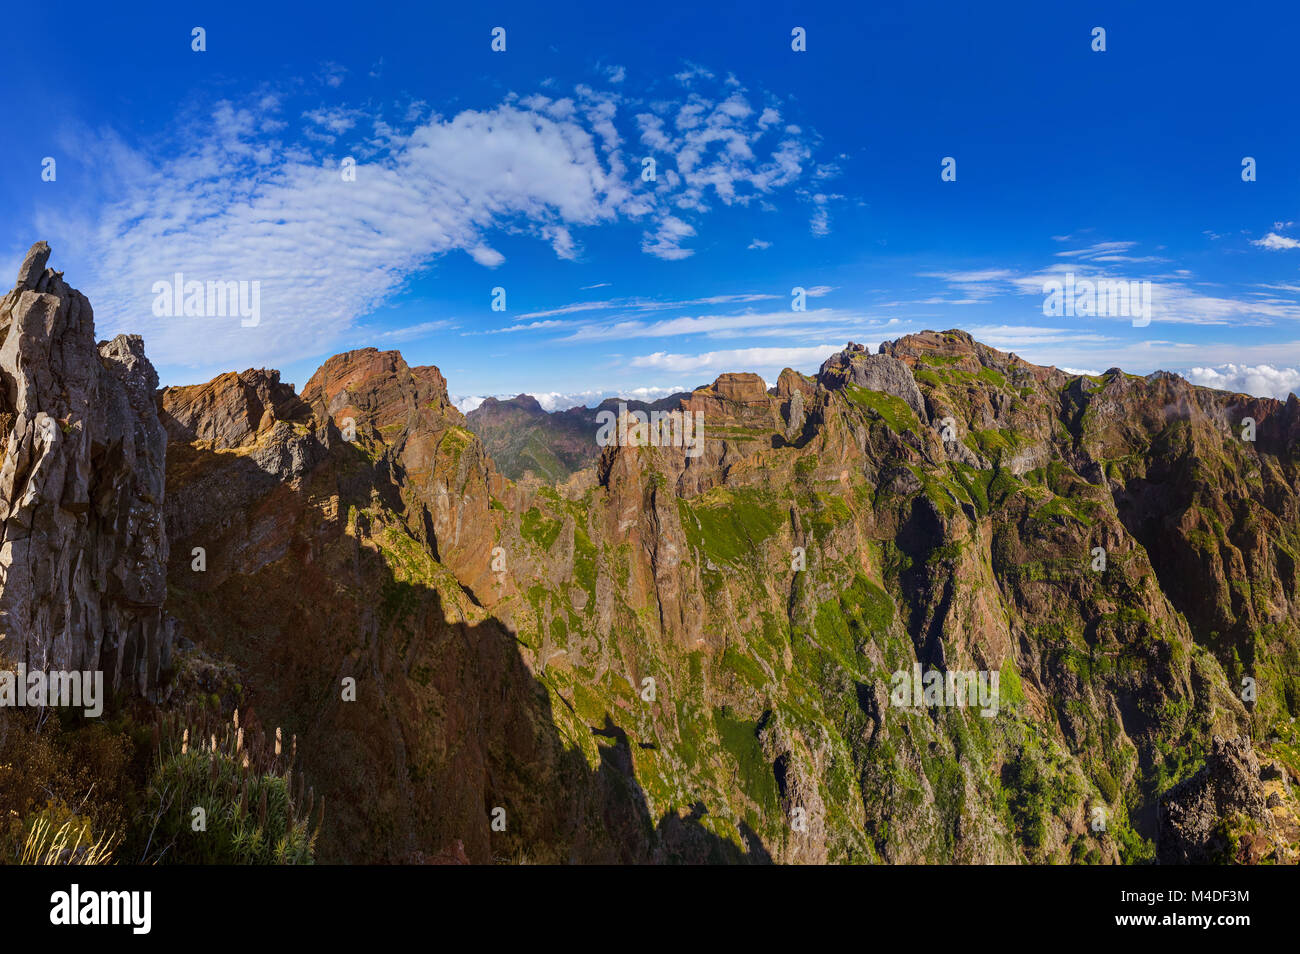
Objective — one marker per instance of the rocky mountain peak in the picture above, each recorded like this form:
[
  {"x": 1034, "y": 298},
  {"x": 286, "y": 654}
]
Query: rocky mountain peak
[
  {"x": 876, "y": 372},
  {"x": 523, "y": 402},
  {"x": 379, "y": 388},
  {"x": 742, "y": 387},
  {"x": 83, "y": 547}
]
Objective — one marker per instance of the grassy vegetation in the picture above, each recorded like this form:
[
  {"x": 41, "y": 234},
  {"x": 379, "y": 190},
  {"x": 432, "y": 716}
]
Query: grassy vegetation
[
  {"x": 739, "y": 740},
  {"x": 455, "y": 440},
  {"x": 729, "y": 526},
  {"x": 539, "y": 528},
  {"x": 890, "y": 409},
  {"x": 995, "y": 444}
]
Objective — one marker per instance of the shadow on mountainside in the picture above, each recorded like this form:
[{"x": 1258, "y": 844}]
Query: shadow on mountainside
[{"x": 448, "y": 724}]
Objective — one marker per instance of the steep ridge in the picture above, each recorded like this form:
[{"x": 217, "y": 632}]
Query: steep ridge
[{"x": 947, "y": 499}]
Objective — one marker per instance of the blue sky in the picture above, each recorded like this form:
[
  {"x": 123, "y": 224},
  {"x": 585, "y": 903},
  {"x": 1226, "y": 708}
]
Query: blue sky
[{"x": 774, "y": 169}]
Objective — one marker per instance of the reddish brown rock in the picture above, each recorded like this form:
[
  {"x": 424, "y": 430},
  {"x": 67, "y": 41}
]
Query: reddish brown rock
[{"x": 229, "y": 410}]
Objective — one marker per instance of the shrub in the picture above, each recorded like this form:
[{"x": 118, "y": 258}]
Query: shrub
[{"x": 244, "y": 784}]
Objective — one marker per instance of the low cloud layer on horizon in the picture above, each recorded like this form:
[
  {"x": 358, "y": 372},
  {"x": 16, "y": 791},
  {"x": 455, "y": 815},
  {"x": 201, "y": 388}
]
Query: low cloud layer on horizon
[
  {"x": 1257, "y": 380},
  {"x": 1260, "y": 380}
]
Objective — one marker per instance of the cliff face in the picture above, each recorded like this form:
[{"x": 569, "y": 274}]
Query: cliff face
[
  {"x": 678, "y": 657},
  {"x": 83, "y": 547}
]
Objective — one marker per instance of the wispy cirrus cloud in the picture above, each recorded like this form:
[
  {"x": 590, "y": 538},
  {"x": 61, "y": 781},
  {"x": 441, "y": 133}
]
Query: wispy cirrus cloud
[
  {"x": 1175, "y": 297},
  {"x": 718, "y": 325},
  {"x": 652, "y": 304},
  {"x": 411, "y": 332},
  {"x": 739, "y": 359},
  {"x": 1014, "y": 337},
  {"x": 257, "y": 193},
  {"x": 699, "y": 325},
  {"x": 1109, "y": 252}
]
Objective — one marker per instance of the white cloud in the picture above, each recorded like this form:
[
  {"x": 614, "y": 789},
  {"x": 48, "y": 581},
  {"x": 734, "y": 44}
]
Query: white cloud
[
  {"x": 332, "y": 74},
  {"x": 971, "y": 277},
  {"x": 820, "y": 224},
  {"x": 563, "y": 400},
  {"x": 760, "y": 244},
  {"x": 1261, "y": 380},
  {"x": 741, "y": 359},
  {"x": 1143, "y": 355},
  {"x": 1174, "y": 300},
  {"x": 645, "y": 304},
  {"x": 692, "y": 73},
  {"x": 701, "y": 324},
  {"x": 415, "y": 331},
  {"x": 665, "y": 241},
  {"x": 1276, "y": 242},
  {"x": 333, "y": 119},
  {"x": 522, "y": 326},
  {"x": 488, "y": 257},
  {"x": 1012, "y": 337},
  {"x": 720, "y": 151},
  {"x": 1109, "y": 252},
  {"x": 328, "y": 251}
]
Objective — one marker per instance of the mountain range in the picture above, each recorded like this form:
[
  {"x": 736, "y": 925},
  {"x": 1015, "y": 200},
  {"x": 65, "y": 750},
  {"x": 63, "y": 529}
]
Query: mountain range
[{"x": 491, "y": 638}]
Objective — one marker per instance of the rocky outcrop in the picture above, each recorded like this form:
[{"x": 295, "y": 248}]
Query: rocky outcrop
[
  {"x": 230, "y": 409},
  {"x": 742, "y": 388},
  {"x": 428, "y": 458},
  {"x": 378, "y": 389},
  {"x": 1201, "y": 819},
  {"x": 876, "y": 372},
  {"x": 83, "y": 547}
]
